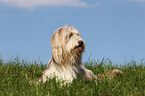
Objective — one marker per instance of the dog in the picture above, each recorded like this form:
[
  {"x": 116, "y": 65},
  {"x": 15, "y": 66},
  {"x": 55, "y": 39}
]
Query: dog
[{"x": 66, "y": 61}]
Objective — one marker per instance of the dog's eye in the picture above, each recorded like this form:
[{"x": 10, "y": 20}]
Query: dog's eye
[
  {"x": 78, "y": 35},
  {"x": 70, "y": 35}
]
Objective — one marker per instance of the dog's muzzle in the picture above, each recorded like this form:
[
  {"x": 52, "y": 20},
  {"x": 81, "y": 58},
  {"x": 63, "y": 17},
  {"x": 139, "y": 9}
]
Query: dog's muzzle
[{"x": 80, "y": 45}]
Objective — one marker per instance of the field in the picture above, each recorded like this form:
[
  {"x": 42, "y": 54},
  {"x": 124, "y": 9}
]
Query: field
[{"x": 19, "y": 78}]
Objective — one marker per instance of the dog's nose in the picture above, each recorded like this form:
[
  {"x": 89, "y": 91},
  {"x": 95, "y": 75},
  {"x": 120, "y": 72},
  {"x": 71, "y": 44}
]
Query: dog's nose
[{"x": 80, "y": 42}]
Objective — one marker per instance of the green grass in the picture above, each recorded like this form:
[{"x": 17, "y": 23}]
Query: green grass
[{"x": 15, "y": 76}]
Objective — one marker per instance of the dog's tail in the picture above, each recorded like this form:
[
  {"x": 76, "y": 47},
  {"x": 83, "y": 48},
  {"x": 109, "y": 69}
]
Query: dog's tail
[{"x": 110, "y": 74}]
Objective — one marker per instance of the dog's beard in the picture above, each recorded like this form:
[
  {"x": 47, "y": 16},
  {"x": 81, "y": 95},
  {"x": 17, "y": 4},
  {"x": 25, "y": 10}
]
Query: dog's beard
[{"x": 76, "y": 53}]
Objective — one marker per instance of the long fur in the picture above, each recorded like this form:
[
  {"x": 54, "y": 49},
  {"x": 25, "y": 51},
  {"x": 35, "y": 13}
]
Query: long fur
[{"x": 66, "y": 61}]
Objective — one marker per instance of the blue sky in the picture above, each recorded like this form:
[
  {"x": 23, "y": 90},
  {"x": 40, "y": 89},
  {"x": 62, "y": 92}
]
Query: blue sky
[{"x": 113, "y": 29}]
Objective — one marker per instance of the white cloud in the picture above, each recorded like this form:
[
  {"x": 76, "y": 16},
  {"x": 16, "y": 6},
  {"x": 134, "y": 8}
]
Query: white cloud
[{"x": 35, "y": 3}]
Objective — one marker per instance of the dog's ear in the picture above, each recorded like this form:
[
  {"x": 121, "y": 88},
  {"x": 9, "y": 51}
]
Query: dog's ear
[
  {"x": 57, "y": 46},
  {"x": 56, "y": 37}
]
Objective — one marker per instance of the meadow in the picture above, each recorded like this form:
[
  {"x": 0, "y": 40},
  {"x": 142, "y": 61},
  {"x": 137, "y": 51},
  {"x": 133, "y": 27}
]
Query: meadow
[{"x": 19, "y": 78}]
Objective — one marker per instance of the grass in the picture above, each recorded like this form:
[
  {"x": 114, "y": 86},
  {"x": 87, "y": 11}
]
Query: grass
[{"x": 15, "y": 76}]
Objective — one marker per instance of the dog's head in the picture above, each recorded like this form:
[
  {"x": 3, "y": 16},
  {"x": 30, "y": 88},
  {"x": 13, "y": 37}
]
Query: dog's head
[{"x": 67, "y": 45}]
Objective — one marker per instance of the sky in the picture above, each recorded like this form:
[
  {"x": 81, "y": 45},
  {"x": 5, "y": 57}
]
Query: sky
[{"x": 114, "y": 29}]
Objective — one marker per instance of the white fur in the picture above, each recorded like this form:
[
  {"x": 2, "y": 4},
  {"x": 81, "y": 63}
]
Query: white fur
[{"x": 65, "y": 63}]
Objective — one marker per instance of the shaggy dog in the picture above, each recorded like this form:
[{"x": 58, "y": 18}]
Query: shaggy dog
[{"x": 66, "y": 61}]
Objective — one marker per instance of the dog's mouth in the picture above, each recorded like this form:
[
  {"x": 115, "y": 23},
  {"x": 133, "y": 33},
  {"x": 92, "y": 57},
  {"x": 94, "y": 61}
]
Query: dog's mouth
[{"x": 80, "y": 46}]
